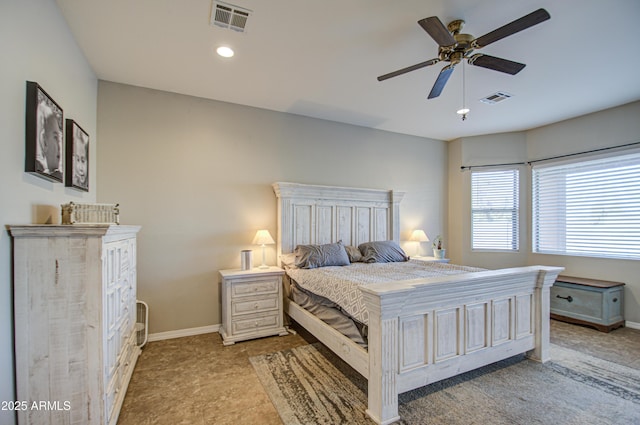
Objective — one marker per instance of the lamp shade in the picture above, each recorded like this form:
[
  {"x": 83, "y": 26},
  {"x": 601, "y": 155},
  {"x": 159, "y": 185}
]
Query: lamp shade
[
  {"x": 263, "y": 237},
  {"x": 419, "y": 236}
]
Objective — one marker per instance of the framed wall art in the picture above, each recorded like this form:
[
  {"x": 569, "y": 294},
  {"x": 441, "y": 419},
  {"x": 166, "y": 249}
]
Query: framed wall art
[
  {"x": 44, "y": 129},
  {"x": 77, "y": 157}
]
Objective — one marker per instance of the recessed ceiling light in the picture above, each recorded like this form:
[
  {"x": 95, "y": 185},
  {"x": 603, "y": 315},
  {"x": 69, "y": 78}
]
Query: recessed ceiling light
[{"x": 224, "y": 51}]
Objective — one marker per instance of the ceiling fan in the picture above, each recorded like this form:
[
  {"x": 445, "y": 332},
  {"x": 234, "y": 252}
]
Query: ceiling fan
[{"x": 455, "y": 47}]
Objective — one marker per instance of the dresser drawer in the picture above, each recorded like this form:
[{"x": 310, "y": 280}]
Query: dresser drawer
[
  {"x": 255, "y": 323},
  {"x": 254, "y": 305},
  {"x": 110, "y": 400},
  {"x": 255, "y": 286}
]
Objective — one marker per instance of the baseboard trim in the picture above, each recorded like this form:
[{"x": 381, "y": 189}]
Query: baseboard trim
[
  {"x": 179, "y": 333},
  {"x": 632, "y": 325}
]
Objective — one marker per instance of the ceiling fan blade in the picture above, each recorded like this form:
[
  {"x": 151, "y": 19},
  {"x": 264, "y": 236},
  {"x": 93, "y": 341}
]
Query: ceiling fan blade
[
  {"x": 436, "y": 29},
  {"x": 408, "y": 69},
  {"x": 497, "y": 64},
  {"x": 518, "y": 25},
  {"x": 442, "y": 79}
]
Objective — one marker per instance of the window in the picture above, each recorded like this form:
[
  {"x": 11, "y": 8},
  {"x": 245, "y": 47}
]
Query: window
[
  {"x": 589, "y": 208},
  {"x": 495, "y": 210}
]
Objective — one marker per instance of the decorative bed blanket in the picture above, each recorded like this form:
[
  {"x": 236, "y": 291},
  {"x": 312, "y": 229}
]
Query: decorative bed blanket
[{"x": 340, "y": 283}]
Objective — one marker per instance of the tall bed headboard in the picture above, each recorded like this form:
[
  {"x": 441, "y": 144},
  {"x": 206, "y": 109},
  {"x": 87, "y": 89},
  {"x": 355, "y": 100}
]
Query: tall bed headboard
[{"x": 311, "y": 214}]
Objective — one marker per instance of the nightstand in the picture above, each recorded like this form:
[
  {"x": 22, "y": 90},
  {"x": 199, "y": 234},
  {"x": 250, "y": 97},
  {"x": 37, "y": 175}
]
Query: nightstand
[
  {"x": 431, "y": 259},
  {"x": 251, "y": 304}
]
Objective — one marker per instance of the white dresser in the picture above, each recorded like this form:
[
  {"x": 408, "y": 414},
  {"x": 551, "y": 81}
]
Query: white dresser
[
  {"x": 75, "y": 314},
  {"x": 251, "y": 304}
]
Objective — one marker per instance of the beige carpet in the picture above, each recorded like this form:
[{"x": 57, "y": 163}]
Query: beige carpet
[{"x": 310, "y": 385}]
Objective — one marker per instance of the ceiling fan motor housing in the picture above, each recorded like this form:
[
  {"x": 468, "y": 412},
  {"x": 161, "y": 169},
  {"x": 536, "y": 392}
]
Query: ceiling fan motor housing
[
  {"x": 458, "y": 51},
  {"x": 463, "y": 41}
]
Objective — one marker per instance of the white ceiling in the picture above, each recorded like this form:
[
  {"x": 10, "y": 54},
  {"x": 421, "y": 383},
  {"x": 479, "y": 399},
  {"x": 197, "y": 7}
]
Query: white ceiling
[{"x": 321, "y": 58}]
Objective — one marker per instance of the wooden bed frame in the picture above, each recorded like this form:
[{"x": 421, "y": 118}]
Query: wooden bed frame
[{"x": 420, "y": 331}]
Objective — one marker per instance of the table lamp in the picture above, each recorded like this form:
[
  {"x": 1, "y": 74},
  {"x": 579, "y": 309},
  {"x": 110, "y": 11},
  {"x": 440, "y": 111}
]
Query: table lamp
[
  {"x": 418, "y": 236},
  {"x": 262, "y": 238}
]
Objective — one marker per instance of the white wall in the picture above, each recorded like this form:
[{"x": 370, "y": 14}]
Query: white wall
[
  {"x": 35, "y": 45},
  {"x": 197, "y": 175},
  {"x": 613, "y": 127}
]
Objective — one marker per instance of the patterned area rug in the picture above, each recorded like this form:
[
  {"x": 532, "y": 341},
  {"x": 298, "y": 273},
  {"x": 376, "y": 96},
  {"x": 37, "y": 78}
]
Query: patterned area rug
[{"x": 310, "y": 385}]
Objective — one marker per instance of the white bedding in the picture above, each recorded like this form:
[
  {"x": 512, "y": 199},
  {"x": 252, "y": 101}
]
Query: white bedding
[{"x": 340, "y": 283}]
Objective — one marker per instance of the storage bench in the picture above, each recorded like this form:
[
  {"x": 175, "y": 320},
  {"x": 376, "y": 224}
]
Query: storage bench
[{"x": 597, "y": 303}]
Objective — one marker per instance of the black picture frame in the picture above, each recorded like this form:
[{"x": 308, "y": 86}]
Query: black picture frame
[
  {"x": 77, "y": 157},
  {"x": 44, "y": 154}
]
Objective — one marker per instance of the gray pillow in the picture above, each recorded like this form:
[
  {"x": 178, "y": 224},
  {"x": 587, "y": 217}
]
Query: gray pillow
[
  {"x": 355, "y": 256},
  {"x": 313, "y": 256},
  {"x": 382, "y": 252},
  {"x": 288, "y": 261}
]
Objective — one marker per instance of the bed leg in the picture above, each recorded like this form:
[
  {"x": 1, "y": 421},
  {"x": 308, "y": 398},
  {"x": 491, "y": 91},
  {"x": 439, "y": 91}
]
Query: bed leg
[
  {"x": 542, "y": 351},
  {"x": 383, "y": 371}
]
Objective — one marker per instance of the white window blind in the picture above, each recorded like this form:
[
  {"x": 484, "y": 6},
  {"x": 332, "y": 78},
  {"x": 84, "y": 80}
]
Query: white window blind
[
  {"x": 589, "y": 208},
  {"x": 495, "y": 210}
]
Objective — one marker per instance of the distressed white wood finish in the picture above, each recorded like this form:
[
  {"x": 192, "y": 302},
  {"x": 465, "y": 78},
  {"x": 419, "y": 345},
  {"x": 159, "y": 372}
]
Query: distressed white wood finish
[
  {"x": 501, "y": 321},
  {"x": 451, "y": 325},
  {"x": 477, "y": 326},
  {"x": 75, "y": 314},
  {"x": 310, "y": 214},
  {"x": 355, "y": 355},
  {"x": 431, "y": 259},
  {"x": 424, "y": 330},
  {"x": 251, "y": 304}
]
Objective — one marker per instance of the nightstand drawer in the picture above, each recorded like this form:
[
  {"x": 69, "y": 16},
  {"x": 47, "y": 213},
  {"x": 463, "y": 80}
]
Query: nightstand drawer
[
  {"x": 255, "y": 323},
  {"x": 255, "y": 286},
  {"x": 256, "y": 305}
]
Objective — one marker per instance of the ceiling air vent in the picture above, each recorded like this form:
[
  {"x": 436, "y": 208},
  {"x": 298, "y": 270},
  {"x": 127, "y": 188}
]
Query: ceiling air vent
[
  {"x": 227, "y": 15},
  {"x": 492, "y": 99}
]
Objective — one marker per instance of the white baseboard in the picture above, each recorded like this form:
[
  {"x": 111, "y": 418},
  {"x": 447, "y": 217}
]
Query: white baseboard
[
  {"x": 159, "y": 336},
  {"x": 632, "y": 325}
]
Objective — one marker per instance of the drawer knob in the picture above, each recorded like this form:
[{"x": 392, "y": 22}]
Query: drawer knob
[
  {"x": 569, "y": 298},
  {"x": 256, "y": 306},
  {"x": 615, "y": 300}
]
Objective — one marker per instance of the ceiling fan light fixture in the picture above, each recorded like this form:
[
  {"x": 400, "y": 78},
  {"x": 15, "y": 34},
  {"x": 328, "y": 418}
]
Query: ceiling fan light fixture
[
  {"x": 225, "y": 51},
  {"x": 463, "y": 112}
]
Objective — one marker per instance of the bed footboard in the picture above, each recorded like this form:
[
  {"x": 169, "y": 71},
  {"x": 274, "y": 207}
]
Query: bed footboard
[{"x": 427, "y": 330}]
